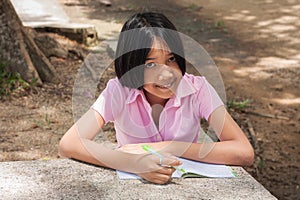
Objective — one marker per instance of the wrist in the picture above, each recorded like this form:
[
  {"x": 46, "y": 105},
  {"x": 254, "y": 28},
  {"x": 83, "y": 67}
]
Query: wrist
[
  {"x": 169, "y": 147},
  {"x": 177, "y": 148}
]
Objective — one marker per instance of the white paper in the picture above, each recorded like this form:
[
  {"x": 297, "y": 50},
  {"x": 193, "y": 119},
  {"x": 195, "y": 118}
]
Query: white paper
[{"x": 205, "y": 169}]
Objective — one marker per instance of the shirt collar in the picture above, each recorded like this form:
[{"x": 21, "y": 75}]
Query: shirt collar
[
  {"x": 184, "y": 89},
  {"x": 133, "y": 94}
]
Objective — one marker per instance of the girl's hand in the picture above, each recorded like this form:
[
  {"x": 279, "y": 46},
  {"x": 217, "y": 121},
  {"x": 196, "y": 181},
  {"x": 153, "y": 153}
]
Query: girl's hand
[
  {"x": 151, "y": 167},
  {"x": 156, "y": 173},
  {"x": 161, "y": 176}
]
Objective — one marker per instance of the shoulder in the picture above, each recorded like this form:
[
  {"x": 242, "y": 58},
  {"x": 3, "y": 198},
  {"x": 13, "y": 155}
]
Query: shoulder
[
  {"x": 113, "y": 83},
  {"x": 196, "y": 81},
  {"x": 201, "y": 87},
  {"x": 111, "y": 100},
  {"x": 117, "y": 92},
  {"x": 115, "y": 87},
  {"x": 206, "y": 98}
]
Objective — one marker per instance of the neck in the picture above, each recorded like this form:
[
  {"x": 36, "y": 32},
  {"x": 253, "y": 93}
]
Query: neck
[{"x": 153, "y": 100}]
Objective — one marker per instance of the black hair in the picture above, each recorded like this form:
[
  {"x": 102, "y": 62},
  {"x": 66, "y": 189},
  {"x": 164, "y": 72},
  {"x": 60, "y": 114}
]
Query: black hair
[{"x": 135, "y": 43}]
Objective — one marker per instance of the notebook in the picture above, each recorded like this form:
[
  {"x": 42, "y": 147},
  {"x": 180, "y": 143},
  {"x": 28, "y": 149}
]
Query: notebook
[{"x": 193, "y": 169}]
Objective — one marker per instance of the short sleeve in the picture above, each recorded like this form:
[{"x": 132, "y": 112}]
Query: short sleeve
[
  {"x": 207, "y": 99},
  {"x": 110, "y": 101}
]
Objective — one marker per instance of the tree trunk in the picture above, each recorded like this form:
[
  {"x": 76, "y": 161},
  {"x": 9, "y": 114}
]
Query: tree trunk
[{"x": 19, "y": 50}]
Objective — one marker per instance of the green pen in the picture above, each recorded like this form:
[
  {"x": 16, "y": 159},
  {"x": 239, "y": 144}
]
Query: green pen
[{"x": 151, "y": 151}]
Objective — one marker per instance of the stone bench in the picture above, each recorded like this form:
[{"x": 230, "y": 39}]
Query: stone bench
[
  {"x": 69, "y": 179},
  {"x": 49, "y": 15}
]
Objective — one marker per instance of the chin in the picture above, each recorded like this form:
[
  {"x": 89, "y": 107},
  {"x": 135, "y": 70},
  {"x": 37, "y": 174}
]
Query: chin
[{"x": 166, "y": 95}]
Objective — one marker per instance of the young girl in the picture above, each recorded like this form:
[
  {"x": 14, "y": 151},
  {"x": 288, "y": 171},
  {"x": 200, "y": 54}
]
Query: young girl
[{"x": 154, "y": 101}]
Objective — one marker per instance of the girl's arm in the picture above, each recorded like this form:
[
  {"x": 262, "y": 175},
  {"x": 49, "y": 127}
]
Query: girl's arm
[
  {"x": 72, "y": 143},
  {"x": 78, "y": 143},
  {"x": 233, "y": 148}
]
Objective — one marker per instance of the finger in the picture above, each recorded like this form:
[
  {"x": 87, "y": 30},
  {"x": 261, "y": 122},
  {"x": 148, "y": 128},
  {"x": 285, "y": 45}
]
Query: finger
[
  {"x": 171, "y": 161},
  {"x": 156, "y": 177},
  {"x": 166, "y": 170},
  {"x": 161, "y": 179}
]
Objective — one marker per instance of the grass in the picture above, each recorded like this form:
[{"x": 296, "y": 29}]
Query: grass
[
  {"x": 238, "y": 104},
  {"x": 219, "y": 24},
  {"x": 44, "y": 124},
  {"x": 11, "y": 83}
]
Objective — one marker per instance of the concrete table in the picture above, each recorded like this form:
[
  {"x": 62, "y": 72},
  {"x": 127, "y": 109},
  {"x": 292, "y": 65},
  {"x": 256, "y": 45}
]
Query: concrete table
[
  {"x": 68, "y": 179},
  {"x": 50, "y": 15}
]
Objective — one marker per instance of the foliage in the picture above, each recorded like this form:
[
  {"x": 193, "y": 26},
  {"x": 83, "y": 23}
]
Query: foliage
[
  {"x": 220, "y": 24},
  {"x": 238, "y": 104},
  {"x": 11, "y": 83}
]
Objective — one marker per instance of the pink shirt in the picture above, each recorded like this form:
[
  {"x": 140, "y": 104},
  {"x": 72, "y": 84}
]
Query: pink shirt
[{"x": 180, "y": 119}]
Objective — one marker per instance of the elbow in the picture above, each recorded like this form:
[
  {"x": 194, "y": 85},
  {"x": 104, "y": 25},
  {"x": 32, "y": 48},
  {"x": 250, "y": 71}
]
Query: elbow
[
  {"x": 247, "y": 156},
  {"x": 64, "y": 148},
  {"x": 68, "y": 143}
]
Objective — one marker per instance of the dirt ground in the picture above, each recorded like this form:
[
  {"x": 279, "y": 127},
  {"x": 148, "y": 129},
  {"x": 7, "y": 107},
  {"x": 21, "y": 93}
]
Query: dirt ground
[{"x": 256, "y": 47}]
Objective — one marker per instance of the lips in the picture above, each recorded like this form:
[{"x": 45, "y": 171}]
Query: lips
[{"x": 166, "y": 85}]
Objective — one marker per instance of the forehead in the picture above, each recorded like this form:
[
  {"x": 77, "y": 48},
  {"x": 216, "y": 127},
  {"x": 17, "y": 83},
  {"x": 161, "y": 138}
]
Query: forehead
[{"x": 159, "y": 47}]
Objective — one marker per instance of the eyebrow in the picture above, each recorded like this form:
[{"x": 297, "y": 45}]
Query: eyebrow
[{"x": 170, "y": 54}]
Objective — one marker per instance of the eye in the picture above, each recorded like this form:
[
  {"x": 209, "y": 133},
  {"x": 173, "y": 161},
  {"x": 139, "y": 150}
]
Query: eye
[
  {"x": 150, "y": 65},
  {"x": 172, "y": 59}
]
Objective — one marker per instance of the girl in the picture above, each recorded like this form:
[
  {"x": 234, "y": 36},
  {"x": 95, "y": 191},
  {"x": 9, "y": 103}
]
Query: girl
[{"x": 154, "y": 101}]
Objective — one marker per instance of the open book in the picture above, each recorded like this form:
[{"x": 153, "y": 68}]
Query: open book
[{"x": 193, "y": 169}]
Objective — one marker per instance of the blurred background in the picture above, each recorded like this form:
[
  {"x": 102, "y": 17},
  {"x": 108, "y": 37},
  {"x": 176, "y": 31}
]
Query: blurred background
[{"x": 255, "y": 44}]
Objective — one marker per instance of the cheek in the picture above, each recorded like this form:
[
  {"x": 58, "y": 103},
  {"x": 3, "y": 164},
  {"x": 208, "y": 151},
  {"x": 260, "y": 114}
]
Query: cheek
[
  {"x": 177, "y": 73},
  {"x": 147, "y": 77},
  {"x": 150, "y": 76},
  {"x": 149, "y": 88},
  {"x": 177, "y": 70}
]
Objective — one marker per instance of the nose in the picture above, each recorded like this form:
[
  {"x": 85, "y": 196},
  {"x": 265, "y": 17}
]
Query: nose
[{"x": 165, "y": 74}]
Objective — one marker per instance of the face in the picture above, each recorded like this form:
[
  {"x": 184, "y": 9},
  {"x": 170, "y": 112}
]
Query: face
[{"x": 162, "y": 74}]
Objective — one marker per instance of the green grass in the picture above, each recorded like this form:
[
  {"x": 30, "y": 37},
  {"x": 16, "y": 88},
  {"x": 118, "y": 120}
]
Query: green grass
[
  {"x": 44, "y": 124},
  {"x": 260, "y": 164},
  {"x": 238, "y": 104},
  {"x": 219, "y": 24},
  {"x": 11, "y": 83}
]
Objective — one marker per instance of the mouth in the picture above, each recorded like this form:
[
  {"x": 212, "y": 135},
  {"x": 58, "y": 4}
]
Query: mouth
[{"x": 166, "y": 85}]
